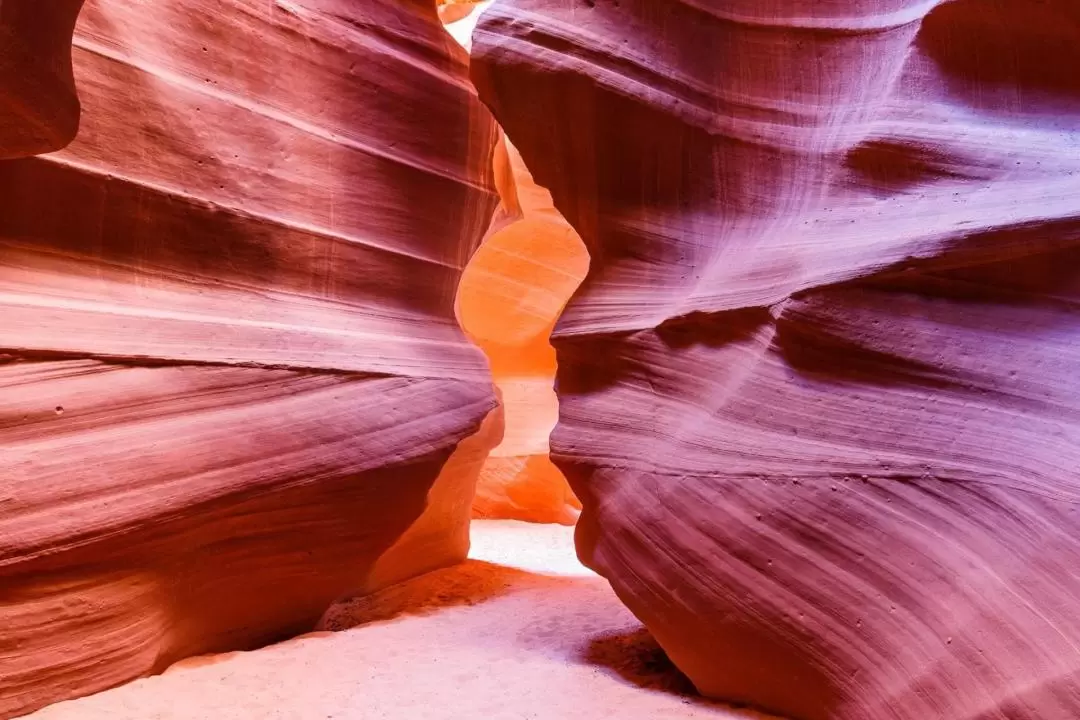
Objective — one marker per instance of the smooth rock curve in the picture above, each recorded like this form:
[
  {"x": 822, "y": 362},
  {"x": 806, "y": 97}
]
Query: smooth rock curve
[
  {"x": 233, "y": 386},
  {"x": 820, "y": 391}
]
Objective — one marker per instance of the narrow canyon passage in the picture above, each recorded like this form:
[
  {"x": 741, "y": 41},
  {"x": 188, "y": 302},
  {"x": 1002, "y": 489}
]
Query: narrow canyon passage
[
  {"x": 510, "y": 297},
  {"x": 294, "y": 292},
  {"x": 519, "y": 630}
]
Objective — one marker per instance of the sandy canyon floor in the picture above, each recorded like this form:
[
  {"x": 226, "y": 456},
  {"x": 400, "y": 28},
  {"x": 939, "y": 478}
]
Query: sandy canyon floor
[{"x": 521, "y": 631}]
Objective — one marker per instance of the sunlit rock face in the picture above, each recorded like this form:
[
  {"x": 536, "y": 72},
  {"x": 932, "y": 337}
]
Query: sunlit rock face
[
  {"x": 460, "y": 17},
  {"x": 39, "y": 108},
  {"x": 233, "y": 386},
  {"x": 820, "y": 391},
  {"x": 510, "y": 296}
]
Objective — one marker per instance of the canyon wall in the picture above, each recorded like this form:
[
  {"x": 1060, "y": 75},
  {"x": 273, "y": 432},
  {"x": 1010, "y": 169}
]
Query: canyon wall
[
  {"x": 232, "y": 384},
  {"x": 820, "y": 390}
]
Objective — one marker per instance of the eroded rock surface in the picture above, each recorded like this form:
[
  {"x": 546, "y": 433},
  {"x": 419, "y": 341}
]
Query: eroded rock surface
[
  {"x": 233, "y": 386},
  {"x": 820, "y": 391}
]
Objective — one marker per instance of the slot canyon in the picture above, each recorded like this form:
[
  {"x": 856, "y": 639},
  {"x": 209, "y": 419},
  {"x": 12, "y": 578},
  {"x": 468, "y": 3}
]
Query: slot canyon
[{"x": 540, "y": 359}]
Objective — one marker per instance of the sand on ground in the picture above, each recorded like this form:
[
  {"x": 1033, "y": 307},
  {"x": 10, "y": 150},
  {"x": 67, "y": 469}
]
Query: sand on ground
[{"x": 520, "y": 632}]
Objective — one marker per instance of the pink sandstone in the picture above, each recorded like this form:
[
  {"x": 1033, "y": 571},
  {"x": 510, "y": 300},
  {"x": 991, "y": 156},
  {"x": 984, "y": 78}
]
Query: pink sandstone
[
  {"x": 233, "y": 386},
  {"x": 820, "y": 390}
]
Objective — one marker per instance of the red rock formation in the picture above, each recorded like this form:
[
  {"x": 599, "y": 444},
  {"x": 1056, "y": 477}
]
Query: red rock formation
[
  {"x": 233, "y": 381},
  {"x": 819, "y": 391},
  {"x": 39, "y": 110}
]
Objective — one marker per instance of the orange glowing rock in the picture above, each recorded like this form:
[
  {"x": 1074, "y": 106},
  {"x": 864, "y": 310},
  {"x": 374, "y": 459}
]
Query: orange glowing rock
[{"x": 510, "y": 296}]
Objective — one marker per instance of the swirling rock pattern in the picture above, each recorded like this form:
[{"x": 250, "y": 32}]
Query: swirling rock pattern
[
  {"x": 820, "y": 390},
  {"x": 233, "y": 386}
]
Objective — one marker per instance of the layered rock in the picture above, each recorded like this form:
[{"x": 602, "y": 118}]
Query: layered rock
[
  {"x": 233, "y": 386},
  {"x": 819, "y": 392},
  {"x": 511, "y": 294}
]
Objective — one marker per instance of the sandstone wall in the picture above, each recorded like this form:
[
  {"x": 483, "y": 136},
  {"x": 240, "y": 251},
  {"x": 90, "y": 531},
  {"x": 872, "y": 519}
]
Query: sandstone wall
[
  {"x": 820, "y": 390},
  {"x": 233, "y": 386}
]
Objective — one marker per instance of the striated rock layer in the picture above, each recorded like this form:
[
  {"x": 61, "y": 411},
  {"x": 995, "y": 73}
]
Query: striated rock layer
[
  {"x": 511, "y": 294},
  {"x": 820, "y": 391},
  {"x": 233, "y": 387}
]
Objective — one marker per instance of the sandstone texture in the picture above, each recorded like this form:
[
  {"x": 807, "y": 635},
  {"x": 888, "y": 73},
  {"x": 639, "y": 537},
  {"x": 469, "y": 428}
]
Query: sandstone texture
[
  {"x": 512, "y": 292},
  {"x": 820, "y": 390},
  {"x": 233, "y": 387}
]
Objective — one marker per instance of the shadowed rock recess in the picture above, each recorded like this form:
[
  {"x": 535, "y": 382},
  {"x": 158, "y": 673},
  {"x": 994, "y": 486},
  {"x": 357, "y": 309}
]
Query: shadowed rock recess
[
  {"x": 232, "y": 385},
  {"x": 820, "y": 390},
  {"x": 39, "y": 108}
]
